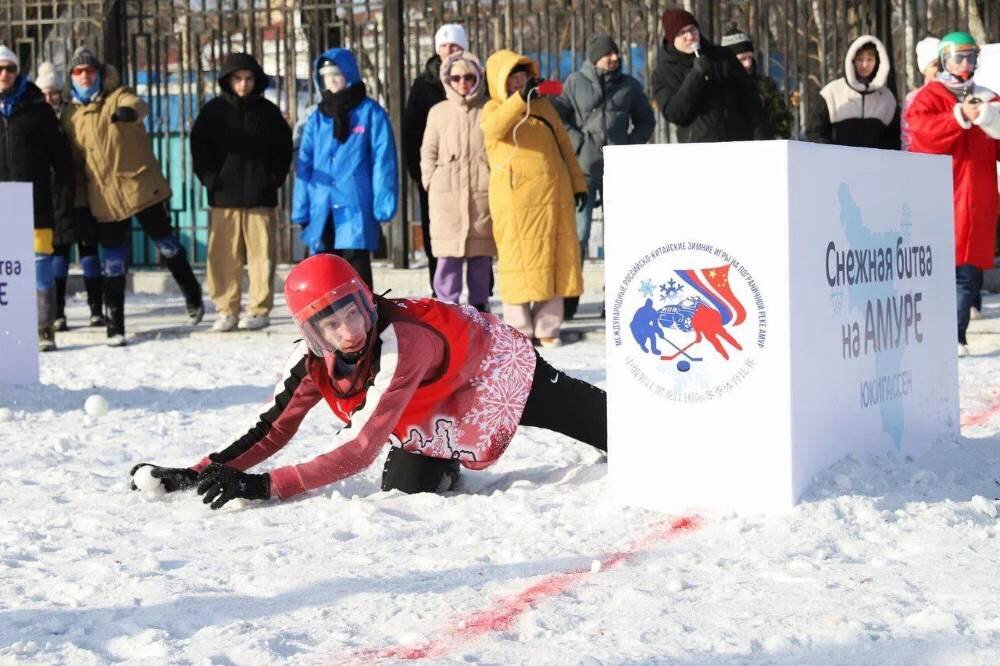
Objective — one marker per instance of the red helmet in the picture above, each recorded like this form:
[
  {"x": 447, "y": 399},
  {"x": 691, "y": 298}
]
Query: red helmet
[{"x": 321, "y": 286}]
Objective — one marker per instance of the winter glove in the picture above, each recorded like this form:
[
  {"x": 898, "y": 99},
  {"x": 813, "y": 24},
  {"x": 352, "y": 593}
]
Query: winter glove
[
  {"x": 172, "y": 478},
  {"x": 703, "y": 66},
  {"x": 581, "y": 201},
  {"x": 529, "y": 85},
  {"x": 219, "y": 484},
  {"x": 124, "y": 114}
]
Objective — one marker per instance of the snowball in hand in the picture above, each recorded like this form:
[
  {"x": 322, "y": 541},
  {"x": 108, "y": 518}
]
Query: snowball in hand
[
  {"x": 96, "y": 405},
  {"x": 147, "y": 483}
]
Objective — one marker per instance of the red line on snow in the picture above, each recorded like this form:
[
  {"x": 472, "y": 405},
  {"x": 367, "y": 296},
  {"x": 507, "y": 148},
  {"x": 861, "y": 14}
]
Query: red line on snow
[
  {"x": 979, "y": 418},
  {"x": 502, "y": 614}
]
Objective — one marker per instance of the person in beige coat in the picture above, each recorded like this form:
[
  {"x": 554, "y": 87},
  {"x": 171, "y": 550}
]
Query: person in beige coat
[
  {"x": 456, "y": 175},
  {"x": 118, "y": 178}
]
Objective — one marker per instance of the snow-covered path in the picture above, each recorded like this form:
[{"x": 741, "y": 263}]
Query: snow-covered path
[{"x": 885, "y": 560}]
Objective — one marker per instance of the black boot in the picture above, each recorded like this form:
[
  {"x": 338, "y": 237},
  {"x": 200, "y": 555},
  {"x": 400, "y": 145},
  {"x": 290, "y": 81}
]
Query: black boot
[
  {"x": 46, "y": 308},
  {"x": 180, "y": 268},
  {"x": 114, "y": 299},
  {"x": 570, "y": 305},
  {"x": 414, "y": 473},
  {"x": 59, "y": 323},
  {"x": 95, "y": 299}
]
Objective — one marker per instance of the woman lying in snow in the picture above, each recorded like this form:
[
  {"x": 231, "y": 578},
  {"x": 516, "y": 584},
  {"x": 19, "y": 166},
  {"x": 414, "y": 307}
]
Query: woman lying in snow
[{"x": 445, "y": 385}]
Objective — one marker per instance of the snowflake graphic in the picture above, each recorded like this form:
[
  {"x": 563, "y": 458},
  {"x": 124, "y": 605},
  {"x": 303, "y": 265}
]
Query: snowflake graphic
[
  {"x": 670, "y": 289},
  {"x": 500, "y": 392},
  {"x": 646, "y": 288}
]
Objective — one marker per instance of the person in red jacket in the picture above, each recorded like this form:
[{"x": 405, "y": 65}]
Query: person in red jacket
[
  {"x": 949, "y": 117},
  {"x": 445, "y": 385}
]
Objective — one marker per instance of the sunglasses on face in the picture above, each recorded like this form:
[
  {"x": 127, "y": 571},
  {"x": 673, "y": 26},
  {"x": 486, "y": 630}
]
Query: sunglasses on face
[
  {"x": 468, "y": 78},
  {"x": 970, "y": 57},
  {"x": 76, "y": 71},
  {"x": 10, "y": 69}
]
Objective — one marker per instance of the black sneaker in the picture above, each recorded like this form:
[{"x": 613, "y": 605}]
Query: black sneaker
[{"x": 196, "y": 313}]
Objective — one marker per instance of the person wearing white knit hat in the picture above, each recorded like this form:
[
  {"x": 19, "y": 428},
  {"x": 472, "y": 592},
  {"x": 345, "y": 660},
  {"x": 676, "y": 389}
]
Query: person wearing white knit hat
[
  {"x": 927, "y": 58},
  {"x": 451, "y": 34},
  {"x": 929, "y": 65},
  {"x": 8, "y": 69},
  {"x": 36, "y": 151},
  {"x": 426, "y": 91},
  {"x": 82, "y": 233},
  {"x": 47, "y": 82}
]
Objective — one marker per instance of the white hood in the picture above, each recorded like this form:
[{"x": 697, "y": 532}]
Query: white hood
[{"x": 881, "y": 74}]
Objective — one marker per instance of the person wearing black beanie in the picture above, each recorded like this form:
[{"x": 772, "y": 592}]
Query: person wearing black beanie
[
  {"x": 241, "y": 147},
  {"x": 702, "y": 88},
  {"x": 600, "y": 106},
  {"x": 775, "y": 108}
]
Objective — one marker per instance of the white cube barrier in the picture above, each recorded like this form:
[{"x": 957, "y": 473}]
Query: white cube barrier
[
  {"x": 18, "y": 303},
  {"x": 772, "y": 307}
]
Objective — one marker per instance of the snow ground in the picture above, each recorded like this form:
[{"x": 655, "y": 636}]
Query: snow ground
[{"x": 886, "y": 560}]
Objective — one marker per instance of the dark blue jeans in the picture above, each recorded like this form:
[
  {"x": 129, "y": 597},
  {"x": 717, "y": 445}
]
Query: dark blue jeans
[{"x": 969, "y": 281}]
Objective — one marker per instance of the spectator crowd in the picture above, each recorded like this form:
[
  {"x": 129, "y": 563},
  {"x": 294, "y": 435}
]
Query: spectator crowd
[{"x": 508, "y": 170}]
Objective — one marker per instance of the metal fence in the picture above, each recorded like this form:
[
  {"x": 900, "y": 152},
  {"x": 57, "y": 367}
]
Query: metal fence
[{"x": 169, "y": 52}]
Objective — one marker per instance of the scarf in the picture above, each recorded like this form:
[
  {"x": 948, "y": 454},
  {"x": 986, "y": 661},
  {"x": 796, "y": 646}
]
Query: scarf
[
  {"x": 10, "y": 99},
  {"x": 957, "y": 86},
  {"x": 339, "y": 105},
  {"x": 85, "y": 95}
]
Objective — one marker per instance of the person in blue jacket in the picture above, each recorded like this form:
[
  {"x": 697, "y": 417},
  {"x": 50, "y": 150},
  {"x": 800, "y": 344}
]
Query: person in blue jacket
[{"x": 346, "y": 177}]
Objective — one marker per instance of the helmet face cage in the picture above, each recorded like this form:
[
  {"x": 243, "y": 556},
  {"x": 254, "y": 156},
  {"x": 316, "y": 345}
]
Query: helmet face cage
[{"x": 320, "y": 321}]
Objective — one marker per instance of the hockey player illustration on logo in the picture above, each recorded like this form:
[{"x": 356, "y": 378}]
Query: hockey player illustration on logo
[{"x": 707, "y": 312}]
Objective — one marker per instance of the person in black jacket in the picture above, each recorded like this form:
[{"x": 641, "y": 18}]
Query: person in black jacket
[
  {"x": 82, "y": 233},
  {"x": 34, "y": 150},
  {"x": 241, "y": 146},
  {"x": 426, "y": 91},
  {"x": 858, "y": 109},
  {"x": 702, "y": 88}
]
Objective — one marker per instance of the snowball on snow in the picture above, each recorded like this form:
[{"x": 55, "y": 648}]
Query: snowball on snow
[
  {"x": 149, "y": 485},
  {"x": 96, "y": 405}
]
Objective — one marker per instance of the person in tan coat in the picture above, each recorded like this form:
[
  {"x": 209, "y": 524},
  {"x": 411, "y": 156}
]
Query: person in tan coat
[
  {"x": 457, "y": 178},
  {"x": 119, "y": 177},
  {"x": 534, "y": 180}
]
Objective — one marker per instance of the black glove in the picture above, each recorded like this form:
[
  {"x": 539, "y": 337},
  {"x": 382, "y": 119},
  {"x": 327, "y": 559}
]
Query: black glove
[
  {"x": 172, "y": 478},
  {"x": 529, "y": 85},
  {"x": 124, "y": 114},
  {"x": 221, "y": 484},
  {"x": 703, "y": 66},
  {"x": 581, "y": 201}
]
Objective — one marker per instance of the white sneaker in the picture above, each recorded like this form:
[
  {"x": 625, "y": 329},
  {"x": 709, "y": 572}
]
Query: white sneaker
[
  {"x": 225, "y": 323},
  {"x": 963, "y": 350},
  {"x": 974, "y": 314},
  {"x": 117, "y": 341},
  {"x": 254, "y": 322}
]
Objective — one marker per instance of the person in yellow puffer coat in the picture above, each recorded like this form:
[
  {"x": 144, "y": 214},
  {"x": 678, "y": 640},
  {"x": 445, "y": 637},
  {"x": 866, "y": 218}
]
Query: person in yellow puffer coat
[{"x": 534, "y": 180}]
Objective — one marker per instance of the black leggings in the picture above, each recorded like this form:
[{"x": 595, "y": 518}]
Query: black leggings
[
  {"x": 567, "y": 405},
  {"x": 361, "y": 260},
  {"x": 155, "y": 221}
]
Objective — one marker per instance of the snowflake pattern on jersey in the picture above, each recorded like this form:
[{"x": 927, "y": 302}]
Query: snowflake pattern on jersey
[{"x": 500, "y": 390}]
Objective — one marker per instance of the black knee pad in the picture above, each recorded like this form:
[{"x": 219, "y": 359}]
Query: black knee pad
[{"x": 414, "y": 473}]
